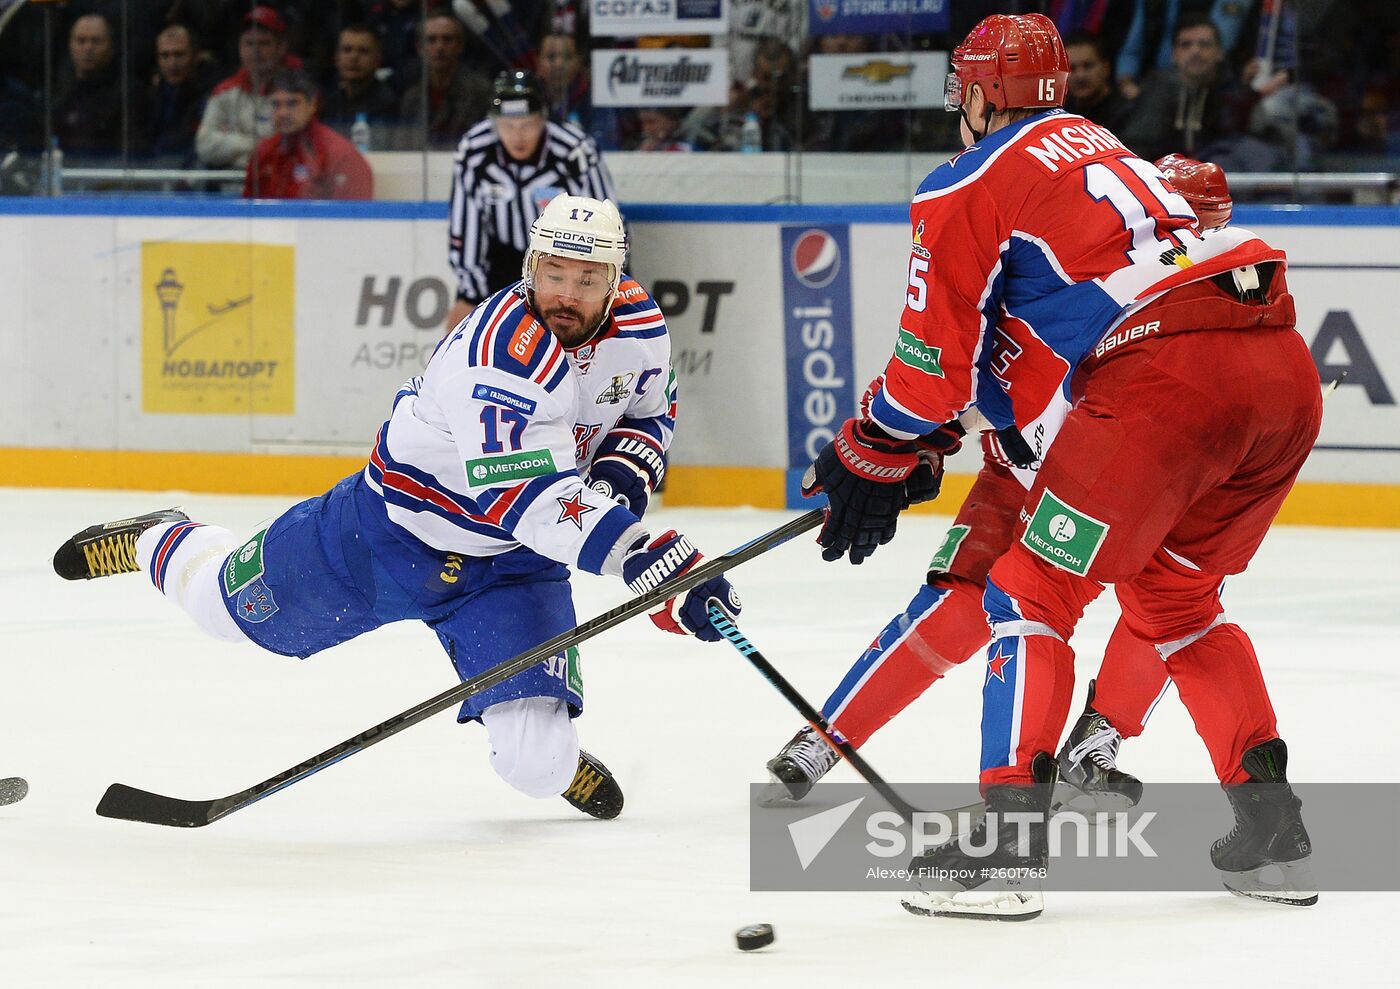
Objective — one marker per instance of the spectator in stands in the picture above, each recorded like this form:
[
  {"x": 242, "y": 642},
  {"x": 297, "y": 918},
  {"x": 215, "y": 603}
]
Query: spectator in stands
[
  {"x": 396, "y": 23},
  {"x": 1194, "y": 104},
  {"x": 1091, "y": 90},
  {"x": 1107, "y": 20},
  {"x": 175, "y": 100},
  {"x": 237, "y": 114},
  {"x": 304, "y": 159},
  {"x": 660, "y": 130},
  {"x": 754, "y": 22},
  {"x": 1372, "y": 127},
  {"x": 863, "y": 129},
  {"x": 357, "y": 89},
  {"x": 768, "y": 95},
  {"x": 21, "y": 128},
  {"x": 87, "y": 112},
  {"x": 457, "y": 96},
  {"x": 1149, "y": 42},
  {"x": 564, "y": 79}
]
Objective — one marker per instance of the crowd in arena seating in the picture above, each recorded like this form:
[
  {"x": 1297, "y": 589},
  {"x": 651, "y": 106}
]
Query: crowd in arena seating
[{"x": 183, "y": 83}]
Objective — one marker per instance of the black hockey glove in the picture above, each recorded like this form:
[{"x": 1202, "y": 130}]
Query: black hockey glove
[
  {"x": 923, "y": 485},
  {"x": 863, "y": 473},
  {"x": 1015, "y": 447}
]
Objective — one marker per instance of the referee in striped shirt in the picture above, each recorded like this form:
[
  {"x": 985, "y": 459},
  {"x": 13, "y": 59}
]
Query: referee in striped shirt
[{"x": 506, "y": 169}]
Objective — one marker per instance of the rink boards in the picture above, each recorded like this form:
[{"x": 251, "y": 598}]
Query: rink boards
[{"x": 150, "y": 348}]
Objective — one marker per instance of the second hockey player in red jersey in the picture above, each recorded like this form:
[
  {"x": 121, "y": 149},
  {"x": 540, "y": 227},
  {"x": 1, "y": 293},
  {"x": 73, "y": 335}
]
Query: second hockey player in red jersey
[
  {"x": 1193, "y": 406},
  {"x": 944, "y": 624}
]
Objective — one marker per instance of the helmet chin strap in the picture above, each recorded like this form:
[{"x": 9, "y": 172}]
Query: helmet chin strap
[{"x": 986, "y": 121}]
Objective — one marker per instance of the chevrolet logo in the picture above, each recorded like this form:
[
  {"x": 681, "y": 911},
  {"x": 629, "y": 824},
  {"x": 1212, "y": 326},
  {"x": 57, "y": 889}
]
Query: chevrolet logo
[{"x": 878, "y": 71}]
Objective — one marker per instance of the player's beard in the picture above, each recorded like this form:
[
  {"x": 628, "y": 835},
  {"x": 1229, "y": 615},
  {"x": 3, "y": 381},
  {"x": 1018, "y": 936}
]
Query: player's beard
[{"x": 573, "y": 325}]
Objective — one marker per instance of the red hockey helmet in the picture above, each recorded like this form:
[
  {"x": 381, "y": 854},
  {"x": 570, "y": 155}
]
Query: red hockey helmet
[
  {"x": 1203, "y": 185},
  {"x": 1017, "y": 59}
]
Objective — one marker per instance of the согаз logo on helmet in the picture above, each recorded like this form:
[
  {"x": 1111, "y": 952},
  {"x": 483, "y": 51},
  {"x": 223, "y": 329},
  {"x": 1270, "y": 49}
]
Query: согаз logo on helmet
[
  {"x": 815, "y": 259},
  {"x": 573, "y": 241}
]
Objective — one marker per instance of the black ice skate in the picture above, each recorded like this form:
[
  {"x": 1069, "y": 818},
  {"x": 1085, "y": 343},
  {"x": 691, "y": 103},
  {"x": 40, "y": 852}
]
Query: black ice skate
[
  {"x": 109, "y": 548},
  {"x": 12, "y": 790},
  {"x": 797, "y": 767},
  {"x": 1266, "y": 854},
  {"x": 1090, "y": 781},
  {"x": 593, "y": 790},
  {"x": 955, "y": 882}
]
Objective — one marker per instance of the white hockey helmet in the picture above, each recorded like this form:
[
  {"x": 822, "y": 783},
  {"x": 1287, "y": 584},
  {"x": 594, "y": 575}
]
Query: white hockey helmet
[{"x": 581, "y": 228}]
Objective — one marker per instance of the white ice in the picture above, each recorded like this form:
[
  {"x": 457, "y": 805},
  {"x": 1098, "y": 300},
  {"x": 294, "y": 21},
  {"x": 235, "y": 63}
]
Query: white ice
[{"x": 410, "y": 864}]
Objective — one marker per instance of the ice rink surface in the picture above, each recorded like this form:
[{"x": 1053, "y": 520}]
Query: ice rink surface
[{"x": 411, "y": 865}]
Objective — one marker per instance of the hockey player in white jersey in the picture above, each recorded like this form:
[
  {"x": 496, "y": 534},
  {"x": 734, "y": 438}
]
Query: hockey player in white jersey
[{"x": 531, "y": 443}]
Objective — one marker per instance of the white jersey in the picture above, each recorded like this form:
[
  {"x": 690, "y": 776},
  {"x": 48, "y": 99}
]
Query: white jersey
[{"x": 489, "y": 448}]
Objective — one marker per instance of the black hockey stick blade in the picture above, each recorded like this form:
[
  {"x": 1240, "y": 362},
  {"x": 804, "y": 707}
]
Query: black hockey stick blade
[
  {"x": 126, "y": 803},
  {"x": 131, "y": 804}
]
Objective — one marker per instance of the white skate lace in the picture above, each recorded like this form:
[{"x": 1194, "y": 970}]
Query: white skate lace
[
  {"x": 813, "y": 754},
  {"x": 1101, "y": 748}
]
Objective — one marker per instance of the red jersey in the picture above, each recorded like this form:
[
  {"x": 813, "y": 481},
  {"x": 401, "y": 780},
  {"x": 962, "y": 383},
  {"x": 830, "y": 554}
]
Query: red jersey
[
  {"x": 315, "y": 164},
  {"x": 1028, "y": 248}
]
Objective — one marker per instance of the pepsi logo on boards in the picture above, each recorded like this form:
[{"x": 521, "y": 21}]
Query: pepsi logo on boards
[{"x": 816, "y": 258}]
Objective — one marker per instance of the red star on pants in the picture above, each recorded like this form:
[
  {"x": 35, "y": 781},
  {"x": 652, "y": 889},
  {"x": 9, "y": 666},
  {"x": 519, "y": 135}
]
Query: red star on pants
[
  {"x": 574, "y": 509},
  {"x": 997, "y": 664}
]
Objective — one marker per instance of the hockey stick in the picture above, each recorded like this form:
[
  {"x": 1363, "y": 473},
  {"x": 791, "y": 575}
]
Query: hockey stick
[
  {"x": 130, "y": 804},
  {"x": 741, "y": 642}
]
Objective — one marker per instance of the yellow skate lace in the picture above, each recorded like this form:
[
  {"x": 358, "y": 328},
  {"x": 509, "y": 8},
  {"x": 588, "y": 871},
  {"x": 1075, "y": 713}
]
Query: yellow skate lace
[
  {"x": 586, "y": 780},
  {"x": 111, "y": 554}
]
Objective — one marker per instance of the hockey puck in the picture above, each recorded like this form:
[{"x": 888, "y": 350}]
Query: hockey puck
[{"x": 754, "y": 937}]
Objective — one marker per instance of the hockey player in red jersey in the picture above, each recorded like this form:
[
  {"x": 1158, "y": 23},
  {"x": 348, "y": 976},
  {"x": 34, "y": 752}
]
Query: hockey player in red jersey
[
  {"x": 944, "y": 624},
  {"x": 1203, "y": 185},
  {"x": 1193, "y": 404}
]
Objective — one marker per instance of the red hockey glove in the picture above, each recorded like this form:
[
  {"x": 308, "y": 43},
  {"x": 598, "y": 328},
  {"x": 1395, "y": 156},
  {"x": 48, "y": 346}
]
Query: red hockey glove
[
  {"x": 863, "y": 473},
  {"x": 648, "y": 565},
  {"x": 923, "y": 484}
]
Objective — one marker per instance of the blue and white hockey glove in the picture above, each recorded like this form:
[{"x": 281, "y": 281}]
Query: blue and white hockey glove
[
  {"x": 629, "y": 464},
  {"x": 863, "y": 473},
  {"x": 623, "y": 485},
  {"x": 648, "y": 565}
]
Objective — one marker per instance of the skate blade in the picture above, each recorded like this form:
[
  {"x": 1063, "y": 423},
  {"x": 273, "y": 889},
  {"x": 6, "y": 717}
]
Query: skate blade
[
  {"x": 775, "y": 794},
  {"x": 1072, "y": 800},
  {"x": 1004, "y": 905},
  {"x": 1289, "y": 883}
]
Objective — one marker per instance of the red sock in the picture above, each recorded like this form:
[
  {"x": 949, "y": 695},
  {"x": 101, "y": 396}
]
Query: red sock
[
  {"x": 1219, "y": 681},
  {"x": 1132, "y": 679}
]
